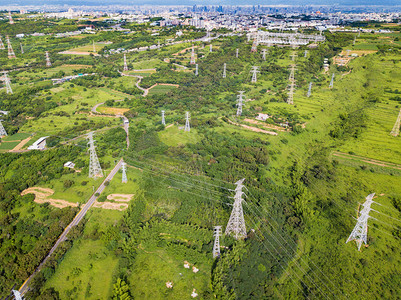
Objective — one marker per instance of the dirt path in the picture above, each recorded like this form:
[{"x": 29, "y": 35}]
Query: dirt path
[
  {"x": 120, "y": 197},
  {"x": 42, "y": 196},
  {"x": 168, "y": 126},
  {"x": 20, "y": 145},
  {"x": 255, "y": 129},
  {"x": 368, "y": 160},
  {"x": 265, "y": 125},
  {"x": 184, "y": 50},
  {"x": 78, "y": 53}
]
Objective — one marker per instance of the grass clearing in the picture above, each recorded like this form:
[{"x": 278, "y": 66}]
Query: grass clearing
[{"x": 173, "y": 136}]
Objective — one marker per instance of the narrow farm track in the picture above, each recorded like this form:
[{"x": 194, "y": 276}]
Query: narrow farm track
[{"x": 368, "y": 160}]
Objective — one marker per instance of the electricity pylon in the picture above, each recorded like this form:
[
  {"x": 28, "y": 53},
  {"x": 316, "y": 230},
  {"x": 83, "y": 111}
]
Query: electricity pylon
[
  {"x": 216, "y": 245},
  {"x": 354, "y": 41},
  {"x": 93, "y": 45},
  {"x": 236, "y": 224},
  {"x": 163, "y": 119},
  {"x": 306, "y": 53},
  {"x": 254, "y": 71},
  {"x": 224, "y": 70},
  {"x": 291, "y": 79},
  {"x": 10, "y": 18},
  {"x": 264, "y": 51},
  {"x": 48, "y": 63},
  {"x": 125, "y": 63},
  {"x": 94, "y": 166},
  {"x": 240, "y": 99},
  {"x": 360, "y": 232},
  {"x": 331, "y": 82},
  {"x": 124, "y": 177},
  {"x": 196, "y": 70},
  {"x": 3, "y": 132},
  {"x": 309, "y": 90},
  {"x": 236, "y": 53},
  {"x": 293, "y": 55},
  {"x": 210, "y": 48},
  {"x": 22, "y": 49},
  {"x": 158, "y": 45},
  {"x": 193, "y": 61},
  {"x": 7, "y": 83},
  {"x": 396, "y": 128},
  {"x": 1, "y": 44},
  {"x": 254, "y": 46},
  {"x": 11, "y": 53},
  {"x": 187, "y": 127}
]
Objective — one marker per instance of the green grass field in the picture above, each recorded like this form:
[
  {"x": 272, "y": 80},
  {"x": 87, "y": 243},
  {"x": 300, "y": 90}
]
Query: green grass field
[
  {"x": 172, "y": 136},
  {"x": 8, "y": 145},
  {"x": 161, "y": 89},
  {"x": 16, "y": 137},
  {"x": 147, "y": 64}
]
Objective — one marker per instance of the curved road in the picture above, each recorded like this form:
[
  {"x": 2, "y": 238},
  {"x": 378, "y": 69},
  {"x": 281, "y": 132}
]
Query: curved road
[{"x": 24, "y": 288}]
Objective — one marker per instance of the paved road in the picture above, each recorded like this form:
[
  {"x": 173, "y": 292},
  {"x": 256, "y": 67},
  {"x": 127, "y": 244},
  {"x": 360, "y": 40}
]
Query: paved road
[{"x": 24, "y": 288}]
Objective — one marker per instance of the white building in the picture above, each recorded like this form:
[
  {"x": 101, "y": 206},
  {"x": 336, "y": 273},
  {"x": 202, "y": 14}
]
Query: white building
[{"x": 40, "y": 144}]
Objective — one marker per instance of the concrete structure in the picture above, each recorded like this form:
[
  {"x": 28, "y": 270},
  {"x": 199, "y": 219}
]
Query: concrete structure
[{"x": 40, "y": 144}]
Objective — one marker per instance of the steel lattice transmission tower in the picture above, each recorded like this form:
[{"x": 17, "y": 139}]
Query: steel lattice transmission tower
[
  {"x": 264, "y": 51},
  {"x": 193, "y": 61},
  {"x": 125, "y": 63},
  {"x": 360, "y": 232},
  {"x": 94, "y": 166},
  {"x": 224, "y": 70},
  {"x": 187, "y": 127},
  {"x": 216, "y": 245},
  {"x": 306, "y": 53},
  {"x": 1, "y": 44},
  {"x": 10, "y": 18},
  {"x": 236, "y": 224},
  {"x": 196, "y": 70},
  {"x": 293, "y": 55},
  {"x": 309, "y": 90},
  {"x": 22, "y": 49},
  {"x": 396, "y": 128},
  {"x": 291, "y": 79},
  {"x": 158, "y": 44},
  {"x": 3, "y": 132},
  {"x": 11, "y": 53},
  {"x": 124, "y": 170},
  {"x": 331, "y": 81},
  {"x": 210, "y": 48},
  {"x": 254, "y": 71},
  {"x": 7, "y": 83},
  {"x": 236, "y": 53},
  {"x": 254, "y": 46},
  {"x": 163, "y": 119},
  {"x": 240, "y": 99},
  {"x": 48, "y": 63},
  {"x": 94, "y": 47}
]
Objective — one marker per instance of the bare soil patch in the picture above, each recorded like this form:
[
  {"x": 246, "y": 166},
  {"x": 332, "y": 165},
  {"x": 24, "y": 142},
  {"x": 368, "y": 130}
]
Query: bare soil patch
[
  {"x": 111, "y": 205},
  {"x": 42, "y": 194},
  {"x": 120, "y": 197}
]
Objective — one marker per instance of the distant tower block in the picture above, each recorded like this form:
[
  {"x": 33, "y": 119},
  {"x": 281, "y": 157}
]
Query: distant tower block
[
  {"x": 48, "y": 63},
  {"x": 187, "y": 127},
  {"x": 22, "y": 49},
  {"x": 224, "y": 70},
  {"x": 196, "y": 70},
  {"x": 240, "y": 102},
  {"x": 1, "y": 44},
  {"x": 125, "y": 63},
  {"x": 95, "y": 170},
  {"x": 10, "y": 18},
  {"x": 216, "y": 245},
  {"x": 163, "y": 119},
  {"x": 306, "y": 53},
  {"x": 236, "y": 53},
  {"x": 254, "y": 46},
  {"x": 236, "y": 224},
  {"x": 210, "y": 48},
  {"x": 3, "y": 132},
  {"x": 124, "y": 170},
  {"x": 331, "y": 81},
  {"x": 264, "y": 54},
  {"x": 193, "y": 61},
  {"x": 396, "y": 128},
  {"x": 309, "y": 90},
  {"x": 7, "y": 83},
  {"x": 254, "y": 71},
  {"x": 11, "y": 53}
]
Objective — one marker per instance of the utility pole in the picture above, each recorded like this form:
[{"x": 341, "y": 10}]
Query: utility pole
[
  {"x": 360, "y": 232},
  {"x": 10, "y": 18},
  {"x": 309, "y": 90},
  {"x": 254, "y": 46},
  {"x": 94, "y": 166},
  {"x": 210, "y": 48},
  {"x": 193, "y": 61},
  {"x": 236, "y": 53},
  {"x": 124, "y": 176},
  {"x": 125, "y": 63},
  {"x": 216, "y": 245},
  {"x": 3, "y": 132},
  {"x": 254, "y": 71},
  {"x": 196, "y": 70},
  {"x": 396, "y": 128},
  {"x": 48, "y": 63},
  {"x": 240, "y": 99},
  {"x": 7, "y": 82},
  {"x": 224, "y": 70},
  {"x": 331, "y": 82},
  {"x": 264, "y": 54},
  {"x": 187, "y": 127},
  {"x": 11, "y": 53},
  {"x": 1, "y": 44},
  {"x": 163, "y": 120},
  {"x": 291, "y": 79},
  {"x": 236, "y": 224},
  {"x": 306, "y": 53},
  {"x": 22, "y": 49}
]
